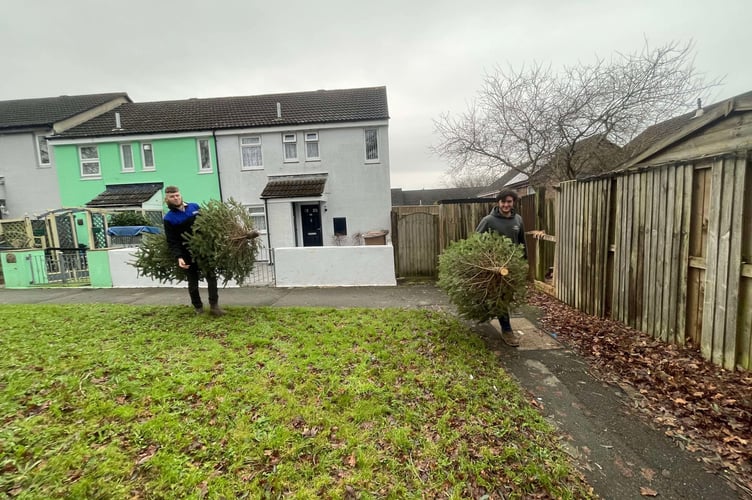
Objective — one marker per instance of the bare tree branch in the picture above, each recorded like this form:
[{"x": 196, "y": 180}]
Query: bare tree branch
[{"x": 569, "y": 122}]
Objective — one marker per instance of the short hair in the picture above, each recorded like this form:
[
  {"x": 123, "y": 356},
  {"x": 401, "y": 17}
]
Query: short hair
[
  {"x": 171, "y": 189},
  {"x": 505, "y": 193}
]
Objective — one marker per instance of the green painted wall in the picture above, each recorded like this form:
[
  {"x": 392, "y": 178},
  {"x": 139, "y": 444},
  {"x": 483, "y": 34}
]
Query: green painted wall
[
  {"x": 176, "y": 160},
  {"x": 17, "y": 268},
  {"x": 99, "y": 268}
]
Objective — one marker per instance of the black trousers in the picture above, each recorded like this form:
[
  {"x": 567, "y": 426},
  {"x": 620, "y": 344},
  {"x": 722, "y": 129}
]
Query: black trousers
[{"x": 193, "y": 278}]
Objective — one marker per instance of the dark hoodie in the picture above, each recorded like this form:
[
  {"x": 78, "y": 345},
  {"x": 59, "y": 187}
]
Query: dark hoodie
[{"x": 511, "y": 227}]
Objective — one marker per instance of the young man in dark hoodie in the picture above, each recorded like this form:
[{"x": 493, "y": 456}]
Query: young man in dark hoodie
[
  {"x": 178, "y": 221},
  {"x": 506, "y": 222}
]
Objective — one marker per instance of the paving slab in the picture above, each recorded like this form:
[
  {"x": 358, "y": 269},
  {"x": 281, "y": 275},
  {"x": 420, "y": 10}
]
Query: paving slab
[{"x": 621, "y": 455}]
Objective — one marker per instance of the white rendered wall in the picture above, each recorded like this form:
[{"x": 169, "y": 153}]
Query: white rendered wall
[
  {"x": 355, "y": 189},
  {"x": 30, "y": 189},
  {"x": 371, "y": 265},
  {"x": 125, "y": 275}
]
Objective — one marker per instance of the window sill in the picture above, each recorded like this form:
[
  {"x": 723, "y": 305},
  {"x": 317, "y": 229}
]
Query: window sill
[
  {"x": 203, "y": 172},
  {"x": 251, "y": 169},
  {"x": 372, "y": 162},
  {"x": 91, "y": 177},
  {"x": 313, "y": 160}
]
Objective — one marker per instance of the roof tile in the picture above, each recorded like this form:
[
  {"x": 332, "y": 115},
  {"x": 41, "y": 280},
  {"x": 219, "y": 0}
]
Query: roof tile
[
  {"x": 45, "y": 111},
  {"x": 298, "y": 108}
]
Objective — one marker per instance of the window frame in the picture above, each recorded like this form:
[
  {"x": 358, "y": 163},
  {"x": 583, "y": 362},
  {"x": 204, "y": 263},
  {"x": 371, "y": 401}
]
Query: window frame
[
  {"x": 285, "y": 142},
  {"x": 242, "y": 146},
  {"x": 312, "y": 141},
  {"x": 375, "y": 130},
  {"x": 122, "y": 158},
  {"x": 38, "y": 140},
  {"x": 201, "y": 168},
  {"x": 144, "y": 166},
  {"x": 83, "y": 161}
]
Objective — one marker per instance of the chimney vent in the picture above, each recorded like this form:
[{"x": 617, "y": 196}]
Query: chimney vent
[
  {"x": 279, "y": 110},
  {"x": 699, "y": 111},
  {"x": 117, "y": 121}
]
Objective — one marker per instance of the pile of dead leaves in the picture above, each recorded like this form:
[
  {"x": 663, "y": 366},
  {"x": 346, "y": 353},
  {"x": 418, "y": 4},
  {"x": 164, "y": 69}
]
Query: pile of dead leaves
[{"x": 703, "y": 407}]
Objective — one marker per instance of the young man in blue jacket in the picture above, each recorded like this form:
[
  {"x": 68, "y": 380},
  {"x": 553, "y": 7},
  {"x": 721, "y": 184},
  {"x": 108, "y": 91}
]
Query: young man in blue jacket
[
  {"x": 177, "y": 222},
  {"x": 505, "y": 221}
]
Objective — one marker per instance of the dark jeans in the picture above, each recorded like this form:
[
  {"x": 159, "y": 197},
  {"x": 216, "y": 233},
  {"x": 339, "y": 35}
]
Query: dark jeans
[
  {"x": 193, "y": 279},
  {"x": 504, "y": 323}
]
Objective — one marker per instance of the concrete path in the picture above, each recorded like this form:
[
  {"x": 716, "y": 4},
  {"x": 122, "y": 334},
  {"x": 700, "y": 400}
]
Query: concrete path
[{"x": 622, "y": 457}]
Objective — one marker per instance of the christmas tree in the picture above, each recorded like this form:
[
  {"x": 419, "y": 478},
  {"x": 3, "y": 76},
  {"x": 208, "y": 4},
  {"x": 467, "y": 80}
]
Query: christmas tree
[
  {"x": 483, "y": 275},
  {"x": 223, "y": 241}
]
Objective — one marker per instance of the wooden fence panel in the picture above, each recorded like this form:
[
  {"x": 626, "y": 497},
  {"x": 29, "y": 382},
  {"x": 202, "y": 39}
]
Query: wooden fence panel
[
  {"x": 416, "y": 239},
  {"x": 583, "y": 251},
  {"x": 681, "y": 262}
]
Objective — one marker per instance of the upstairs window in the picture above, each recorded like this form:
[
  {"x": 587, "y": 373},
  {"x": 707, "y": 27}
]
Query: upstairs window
[
  {"x": 89, "y": 156},
  {"x": 126, "y": 158},
  {"x": 290, "y": 143},
  {"x": 43, "y": 151},
  {"x": 204, "y": 155},
  {"x": 250, "y": 153},
  {"x": 147, "y": 153},
  {"x": 312, "y": 146},
  {"x": 372, "y": 144}
]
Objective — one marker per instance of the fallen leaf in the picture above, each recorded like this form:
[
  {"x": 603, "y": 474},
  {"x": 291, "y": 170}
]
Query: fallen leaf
[{"x": 648, "y": 492}]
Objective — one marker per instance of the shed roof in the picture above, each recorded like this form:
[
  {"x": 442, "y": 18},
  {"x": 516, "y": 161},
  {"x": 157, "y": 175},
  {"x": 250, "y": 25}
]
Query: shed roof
[
  {"x": 125, "y": 195},
  {"x": 297, "y": 108},
  {"x": 662, "y": 135},
  {"x": 45, "y": 111}
]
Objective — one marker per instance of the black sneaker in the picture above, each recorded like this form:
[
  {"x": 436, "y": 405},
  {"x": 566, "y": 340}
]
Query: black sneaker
[{"x": 199, "y": 310}]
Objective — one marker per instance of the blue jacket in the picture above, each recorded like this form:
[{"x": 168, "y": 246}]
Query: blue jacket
[{"x": 176, "y": 224}]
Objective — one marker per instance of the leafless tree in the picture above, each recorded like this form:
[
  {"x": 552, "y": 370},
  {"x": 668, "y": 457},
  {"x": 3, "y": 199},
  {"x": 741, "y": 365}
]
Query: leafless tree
[
  {"x": 469, "y": 179},
  {"x": 569, "y": 122}
]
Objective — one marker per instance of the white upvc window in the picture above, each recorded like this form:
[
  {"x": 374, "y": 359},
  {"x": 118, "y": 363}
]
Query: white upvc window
[
  {"x": 290, "y": 144},
  {"x": 312, "y": 146},
  {"x": 372, "y": 145},
  {"x": 126, "y": 158},
  {"x": 43, "y": 151},
  {"x": 147, "y": 156},
  {"x": 258, "y": 216},
  {"x": 89, "y": 156},
  {"x": 204, "y": 155},
  {"x": 250, "y": 153}
]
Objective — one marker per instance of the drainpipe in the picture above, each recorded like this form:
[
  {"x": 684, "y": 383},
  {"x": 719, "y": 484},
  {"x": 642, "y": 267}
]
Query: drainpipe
[
  {"x": 216, "y": 155},
  {"x": 268, "y": 238}
]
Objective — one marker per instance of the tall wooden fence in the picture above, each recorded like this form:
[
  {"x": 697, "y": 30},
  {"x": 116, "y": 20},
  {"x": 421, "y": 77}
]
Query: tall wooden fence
[
  {"x": 667, "y": 250},
  {"x": 421, "y": 233}
]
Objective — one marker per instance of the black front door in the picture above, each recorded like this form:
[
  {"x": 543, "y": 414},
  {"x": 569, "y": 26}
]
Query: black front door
[{"x": 311, "y": 225}]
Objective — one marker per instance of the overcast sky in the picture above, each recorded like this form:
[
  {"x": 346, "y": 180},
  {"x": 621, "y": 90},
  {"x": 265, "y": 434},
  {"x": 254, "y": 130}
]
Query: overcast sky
[{"x": 431, "y": 55}]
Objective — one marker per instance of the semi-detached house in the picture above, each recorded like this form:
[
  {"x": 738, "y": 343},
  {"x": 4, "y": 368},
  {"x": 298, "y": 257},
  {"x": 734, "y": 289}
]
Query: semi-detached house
[{"x": 312, "y": 167}]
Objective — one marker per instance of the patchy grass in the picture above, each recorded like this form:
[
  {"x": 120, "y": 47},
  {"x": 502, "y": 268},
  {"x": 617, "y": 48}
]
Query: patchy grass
[{"x": 110, "y": 401}]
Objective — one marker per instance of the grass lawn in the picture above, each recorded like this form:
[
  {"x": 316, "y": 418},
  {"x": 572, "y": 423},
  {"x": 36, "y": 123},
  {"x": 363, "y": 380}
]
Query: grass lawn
[{"x": 111, "y": 401}]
